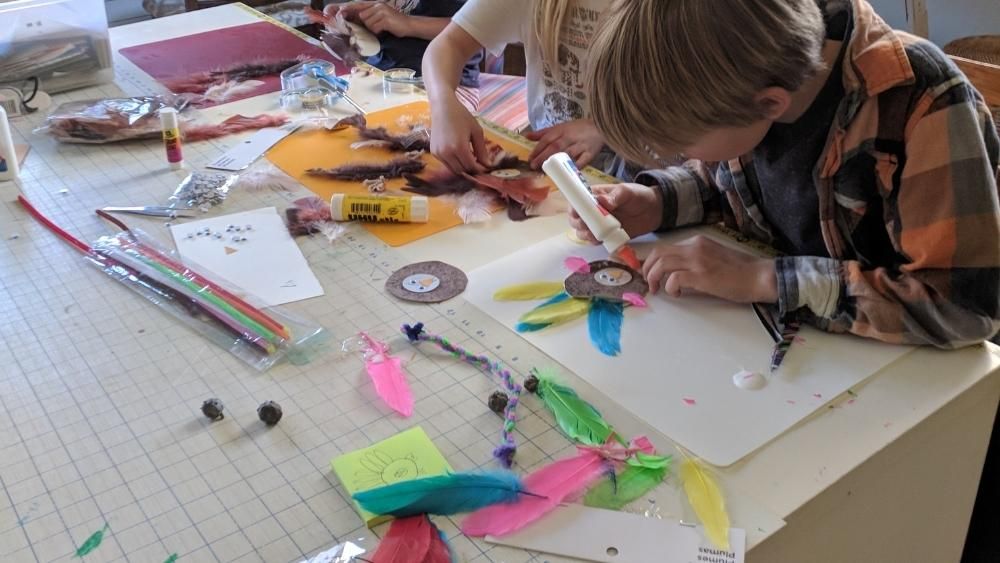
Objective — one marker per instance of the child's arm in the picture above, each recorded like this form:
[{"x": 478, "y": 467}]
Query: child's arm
[
  {"x": 943, "y": 218},
  {"x": 456, "y": 137},
  {"x": 457, "y": 140}
]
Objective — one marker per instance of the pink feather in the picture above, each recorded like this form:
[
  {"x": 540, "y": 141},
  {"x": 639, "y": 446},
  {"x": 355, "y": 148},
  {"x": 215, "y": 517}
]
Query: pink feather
[
  {"x": 634, "y": 299},
  {"x": 553, "y": 484},
  {"x": 387, "y": 374},
  {"x": 577, "y": 264},
  {"x": 644, "y": 445}
]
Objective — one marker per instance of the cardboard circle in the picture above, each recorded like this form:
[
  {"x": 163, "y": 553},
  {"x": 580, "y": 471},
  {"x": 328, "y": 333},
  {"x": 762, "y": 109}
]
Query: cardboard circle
[
  {"x": 451, "y": 282},
  {"x": 587, "y": 286}
]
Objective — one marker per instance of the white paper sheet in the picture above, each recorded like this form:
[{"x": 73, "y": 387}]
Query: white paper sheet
[
  {"x": 679, "y": 356},
  {"x": 268, "y": 265},
  {"x": 610, "y": 536}
]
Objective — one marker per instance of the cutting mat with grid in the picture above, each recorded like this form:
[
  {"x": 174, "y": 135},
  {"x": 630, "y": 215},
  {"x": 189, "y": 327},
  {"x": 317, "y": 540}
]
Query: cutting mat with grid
[{"x": 101, "y": 391}]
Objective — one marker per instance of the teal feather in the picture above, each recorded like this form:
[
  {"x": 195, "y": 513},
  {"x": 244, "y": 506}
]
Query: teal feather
[
  {"x": 532, "y": 327},
  {"x": 442, "y": 494},
  {"x": 605, "y": 324}
]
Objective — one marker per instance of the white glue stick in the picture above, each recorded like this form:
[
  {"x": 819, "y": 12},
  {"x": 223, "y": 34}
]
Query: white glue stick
[
  {"x": 9, "y": 166},
  {"x": 380, "y": 208},
  {"x": 606, "y": 228},
  {"x": 172, "y": 137}
]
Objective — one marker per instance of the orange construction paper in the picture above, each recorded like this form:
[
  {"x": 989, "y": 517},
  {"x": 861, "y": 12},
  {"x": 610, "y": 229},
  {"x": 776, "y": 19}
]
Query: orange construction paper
[{"x": 326, "y": 149}]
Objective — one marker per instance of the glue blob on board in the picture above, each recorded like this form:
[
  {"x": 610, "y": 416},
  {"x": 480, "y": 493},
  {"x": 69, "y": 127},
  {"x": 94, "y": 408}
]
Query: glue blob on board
[{"x": 749, "y": 380}]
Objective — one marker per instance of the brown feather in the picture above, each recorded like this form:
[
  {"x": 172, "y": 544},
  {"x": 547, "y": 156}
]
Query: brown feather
[{"x": 358, "y": 172}]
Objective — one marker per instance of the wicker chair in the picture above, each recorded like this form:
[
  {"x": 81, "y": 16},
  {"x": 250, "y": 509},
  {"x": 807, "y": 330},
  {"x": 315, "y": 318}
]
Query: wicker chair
[{"x": 979, "y": 59}]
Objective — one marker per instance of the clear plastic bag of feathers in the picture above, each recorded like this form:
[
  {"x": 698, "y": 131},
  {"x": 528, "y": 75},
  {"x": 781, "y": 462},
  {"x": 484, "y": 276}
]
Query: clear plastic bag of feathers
[
  {"x": 259, "y": 335},
  {"x": 109, "y": 120}
]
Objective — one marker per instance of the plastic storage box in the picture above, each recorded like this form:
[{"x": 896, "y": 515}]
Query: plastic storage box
[{"x": 62, "y": 43}]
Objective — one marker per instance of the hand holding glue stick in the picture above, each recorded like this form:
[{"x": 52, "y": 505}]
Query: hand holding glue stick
[{"x": 604, "y": 226}]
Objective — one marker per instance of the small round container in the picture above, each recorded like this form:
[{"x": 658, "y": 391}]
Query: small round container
[
  {"x": 400, "y": 81},
  {"x": 308, "y": 99}
]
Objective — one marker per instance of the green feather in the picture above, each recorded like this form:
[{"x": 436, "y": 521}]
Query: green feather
[
  {"x": 577, "y": 418},
  {"x": 92, "y": 542},
  {"x": 649, "y": 461},
  {"x": 634, "y": 482}
]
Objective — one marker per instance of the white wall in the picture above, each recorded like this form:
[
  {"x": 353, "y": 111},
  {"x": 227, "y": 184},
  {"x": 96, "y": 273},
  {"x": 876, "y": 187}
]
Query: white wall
[{"x": 949, "y": 19}]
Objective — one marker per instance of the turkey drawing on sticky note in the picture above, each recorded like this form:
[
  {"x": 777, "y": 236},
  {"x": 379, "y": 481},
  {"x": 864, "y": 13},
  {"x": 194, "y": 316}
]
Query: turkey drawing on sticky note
[{"x": 251, "y": 250}]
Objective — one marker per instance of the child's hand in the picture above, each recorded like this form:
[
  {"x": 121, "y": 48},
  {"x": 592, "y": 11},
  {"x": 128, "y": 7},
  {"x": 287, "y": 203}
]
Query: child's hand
[
  {"x": 705, "y": 266},
  {"x": 580, "y": 139},
  {"x": 457, "y": 140},
  {"x": 638, "y": 208},
  {"x": 377, "y": 17}
]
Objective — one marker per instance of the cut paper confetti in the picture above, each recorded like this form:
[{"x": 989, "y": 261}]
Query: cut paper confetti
[{"x": 600, "y": 290}]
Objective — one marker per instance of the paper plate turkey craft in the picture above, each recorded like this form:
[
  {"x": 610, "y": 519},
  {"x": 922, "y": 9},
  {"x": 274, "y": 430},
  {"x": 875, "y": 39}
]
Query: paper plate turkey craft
[{"x": 600, "y": 290}]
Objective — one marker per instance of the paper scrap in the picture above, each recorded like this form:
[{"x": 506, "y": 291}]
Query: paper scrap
[
  {"x": 268, "y": 264},
  {"x": 402, "y": 457}
]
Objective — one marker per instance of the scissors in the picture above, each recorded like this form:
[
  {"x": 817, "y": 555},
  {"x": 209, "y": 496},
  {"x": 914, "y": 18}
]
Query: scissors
[{"x": 152, "y": 211}]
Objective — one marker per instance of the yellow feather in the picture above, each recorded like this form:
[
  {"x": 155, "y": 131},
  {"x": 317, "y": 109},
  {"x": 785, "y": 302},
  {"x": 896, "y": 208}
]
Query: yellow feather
[
  {"x": 557, "y": 313},
  {"x": 528, "y": 291},
  {"x": 706, "y": 498}
]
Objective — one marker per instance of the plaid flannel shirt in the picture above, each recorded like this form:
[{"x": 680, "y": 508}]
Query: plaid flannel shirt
[{"x": 909, "y": 110}]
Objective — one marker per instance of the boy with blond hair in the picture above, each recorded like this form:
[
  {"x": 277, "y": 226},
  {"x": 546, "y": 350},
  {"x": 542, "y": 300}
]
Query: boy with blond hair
[{"x": 859, "y": 152}]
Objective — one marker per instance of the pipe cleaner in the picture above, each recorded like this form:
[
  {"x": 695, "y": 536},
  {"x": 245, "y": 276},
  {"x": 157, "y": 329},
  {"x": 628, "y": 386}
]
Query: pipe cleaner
[{"x": 507, "y": 448}]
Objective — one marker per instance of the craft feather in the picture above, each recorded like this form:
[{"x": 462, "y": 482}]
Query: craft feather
[
  {"x": 418, "y": 139},
  {"x": 476, "y": 206},
  {"x": 358, "y": 172},
  {"x": 560, "y": 309},
  {"x": 229, "y": 89},
  {"x": 440, "y": 550},
  {"x": 336, "y": 35},
  {"x": 605, "y": 325},
  {"x": 439, "y": 183},
  {"x": 644, "y": 471},
  {"x": 265, "y": 176},
  {"x": 577, "y": 418},
  {"x": 550, "y": 486},
  {"x": 529, "y": 291},
  {"x": 407, "y": 541},
  {"x": 577, "y": 264},
  {"x": 705, "y": 497},
  {"x": 201, "y": 82},
  {"x": 306, "y": 215},
  {"x": 233, "y": 125},
  {"x": 390, "y": 382},
  {"x": 516, "y": 211},
  {"x": 443, "y": 494}
]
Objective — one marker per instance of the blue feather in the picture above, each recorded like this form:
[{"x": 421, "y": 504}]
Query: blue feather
[
  {"x": 442, "y": 494},
  {"x": 605, "y": 324}
]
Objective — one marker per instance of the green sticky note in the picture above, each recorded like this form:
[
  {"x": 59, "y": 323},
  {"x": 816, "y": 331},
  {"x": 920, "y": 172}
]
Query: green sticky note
[{"x": 407, "y": 455}]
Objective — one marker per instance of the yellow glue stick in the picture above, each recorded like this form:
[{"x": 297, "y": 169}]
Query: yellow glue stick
[{"x": 380, "y": 208}]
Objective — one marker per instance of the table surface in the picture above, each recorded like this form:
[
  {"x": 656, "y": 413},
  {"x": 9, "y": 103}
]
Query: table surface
[{"x": 101, "y": 391}]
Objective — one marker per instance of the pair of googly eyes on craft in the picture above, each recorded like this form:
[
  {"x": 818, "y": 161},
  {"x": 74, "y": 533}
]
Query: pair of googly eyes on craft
[
  {"x": 506, "y": 173},
  {"x": 613, "y": 277},
  {"x": 421, "y": 283}
]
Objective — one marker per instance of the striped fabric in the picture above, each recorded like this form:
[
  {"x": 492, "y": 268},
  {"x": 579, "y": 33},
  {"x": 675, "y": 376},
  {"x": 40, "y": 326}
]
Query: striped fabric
[{"x": 503, "y": 100}]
